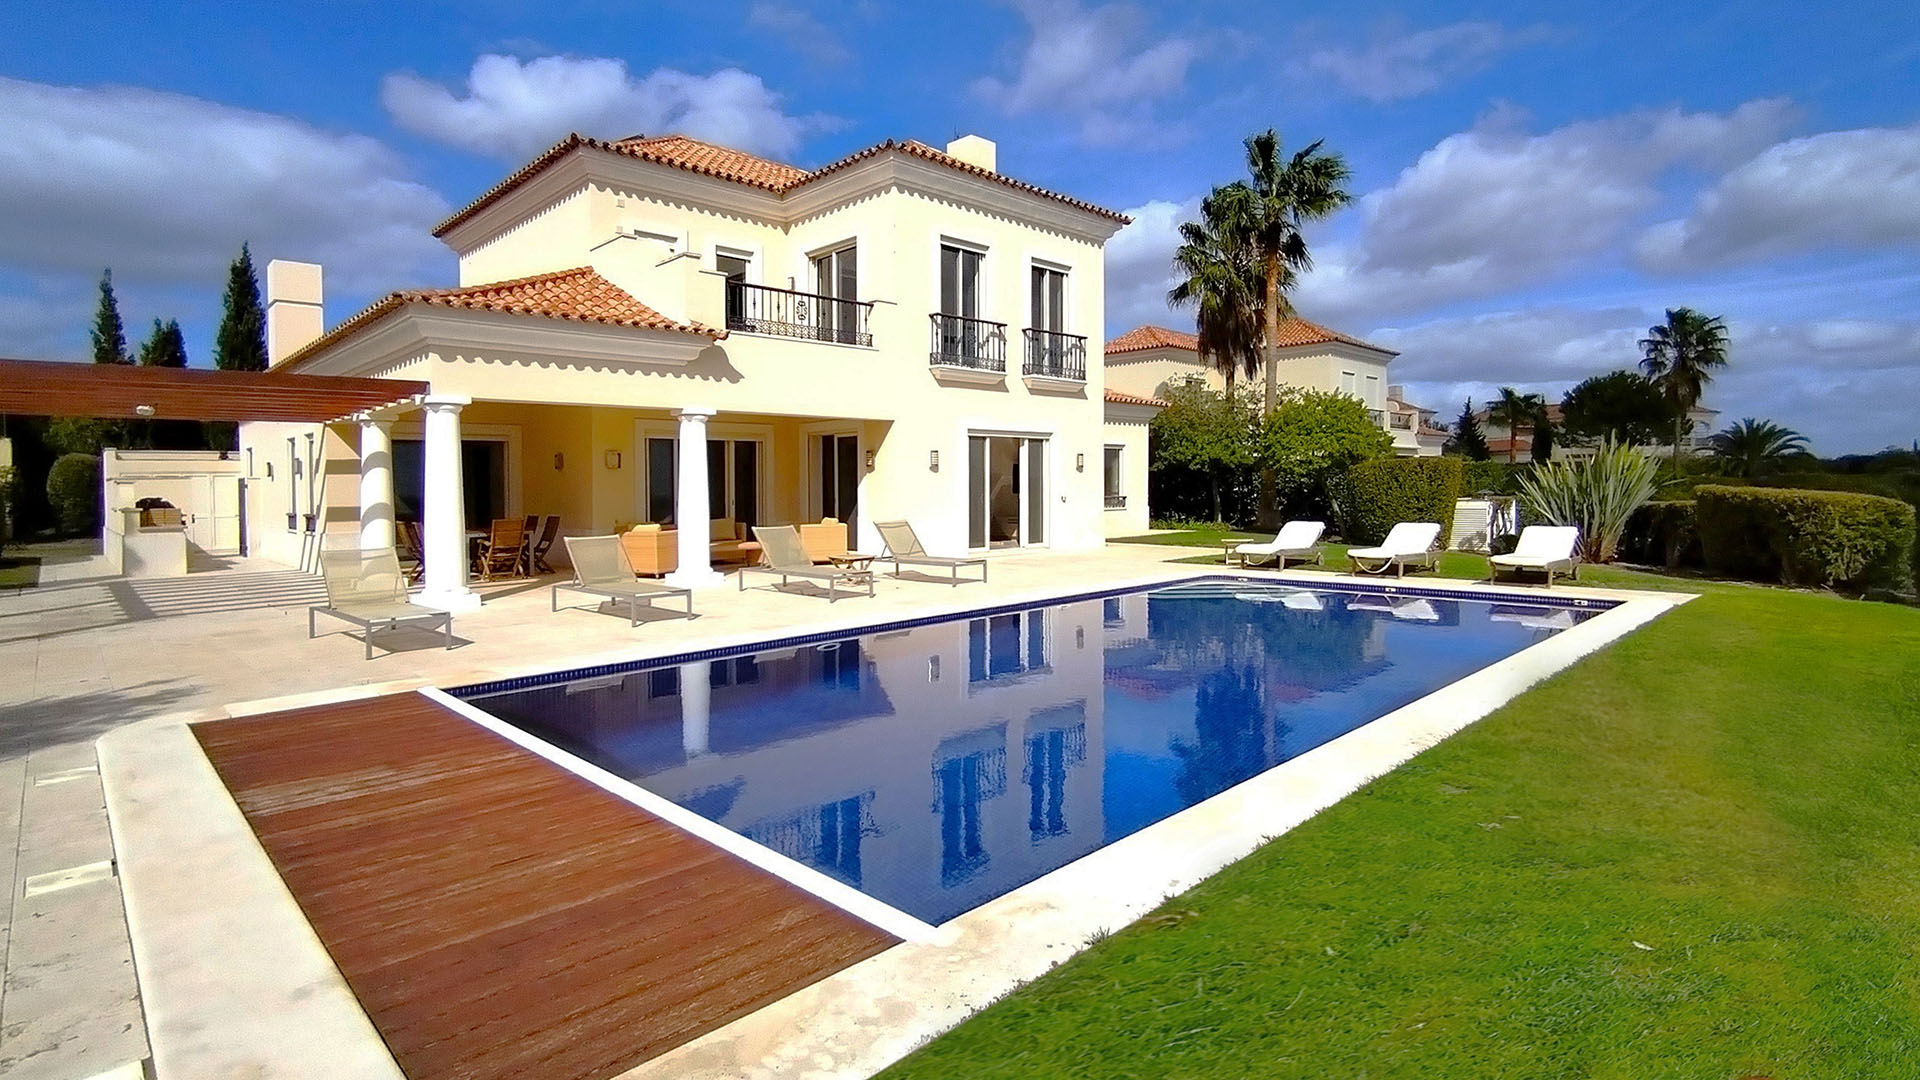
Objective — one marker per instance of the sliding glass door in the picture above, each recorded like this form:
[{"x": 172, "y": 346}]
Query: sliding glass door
[
  {"x": 1006, "y": 497},
  {"x": 733, "y": 480}
]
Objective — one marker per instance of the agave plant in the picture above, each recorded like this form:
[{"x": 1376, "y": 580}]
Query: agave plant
[{"x": 1597, "y": 496}]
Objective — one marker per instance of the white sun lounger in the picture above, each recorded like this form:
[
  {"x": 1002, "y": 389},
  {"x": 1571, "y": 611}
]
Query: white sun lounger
[
  {"x": 1410, "y": 543},
  {"x": 368, "y": 589},
  {"x": 1296, "y": 540},
  {"x": 1541, "y": 549},
  {"x": 782, "y": 553},
  {"x": 600, "y": 568},
  {"x": 903, "y": 547}
]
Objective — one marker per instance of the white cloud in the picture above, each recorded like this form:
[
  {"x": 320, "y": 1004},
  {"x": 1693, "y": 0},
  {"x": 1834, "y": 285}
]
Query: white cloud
[
  {"x": 1100, "y": 66},
  {"x": 1855, "y": 189},
  {"x": 1850, "y": 385},
  {"x": 1494, "y": 208},
  {"x": 512, "y": 108},
  {"x": 1140, "y": 267},
  {"x": 798, "y": 30},
  {"x": 1408, "y": 65},
  {"x": 164, "y": 187}
]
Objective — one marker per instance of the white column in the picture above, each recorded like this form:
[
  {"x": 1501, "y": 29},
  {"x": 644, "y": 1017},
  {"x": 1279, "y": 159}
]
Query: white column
[
  {"x": 690, "y": 513},
  {"x": 444, "y": 515},
  {"x": 376, "y": 485},
  {"x": 696, "y": 705}
]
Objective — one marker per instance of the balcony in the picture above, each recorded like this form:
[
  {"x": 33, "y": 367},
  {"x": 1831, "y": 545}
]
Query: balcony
[
  {"x": 968, "y": 350},
  {"x": 763, "y": 309},
  {"x": 1054, "y": 360},
  {"x": 1378, "y": 416},
  {"x": 1402, "y": 421},
  {"x": 1116, "y": 502}
]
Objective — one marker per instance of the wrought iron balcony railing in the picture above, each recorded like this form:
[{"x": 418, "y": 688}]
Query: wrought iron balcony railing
[
  {"x": 1403, "y": 421},
  {"x": 1055, "y": 355},
  {"x": 1116, "y": 502},
  {"x": 968, "y": 343},
  {"x": 763, "y": 309}
]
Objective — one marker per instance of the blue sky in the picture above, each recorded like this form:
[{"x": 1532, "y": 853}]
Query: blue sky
[{"x": 1536, "y": 181}]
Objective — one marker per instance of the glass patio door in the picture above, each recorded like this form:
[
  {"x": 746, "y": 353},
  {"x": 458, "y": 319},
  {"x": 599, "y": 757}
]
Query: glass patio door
[
  {"x": 1006, "y": 497},
  {"x": 836, "y": 462}
]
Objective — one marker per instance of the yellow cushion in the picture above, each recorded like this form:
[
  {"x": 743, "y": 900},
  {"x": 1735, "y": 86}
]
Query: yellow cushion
[
  {"x": 722, "y": 529},
  {"x": 647, "y": 526}
]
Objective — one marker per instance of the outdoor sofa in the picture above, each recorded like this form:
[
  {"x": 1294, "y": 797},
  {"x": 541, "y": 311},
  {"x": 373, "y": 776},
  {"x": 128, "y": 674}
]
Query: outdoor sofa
[
  {"x": 600, "y": 568},
  {"x": 369, "y": 590}
]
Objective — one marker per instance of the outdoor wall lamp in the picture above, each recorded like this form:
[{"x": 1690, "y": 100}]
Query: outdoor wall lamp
[
  {"x": 559, "y": 461},
  {"x": 869, "y": 461},
  {"x": 933, "y": 460},
  {"x": 1079, "y": 463},
  {"x": 143, "y": 410},
  {"x": 613, "y": 459}
]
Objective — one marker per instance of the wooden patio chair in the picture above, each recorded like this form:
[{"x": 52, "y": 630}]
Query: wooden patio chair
[
  {"x": 413, "y": 549},
  {"x": 537, "y": 549},
  {"x": 501, "y": 553}
]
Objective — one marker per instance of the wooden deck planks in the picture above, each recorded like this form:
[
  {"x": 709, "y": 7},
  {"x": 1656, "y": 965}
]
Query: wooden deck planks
[{"x": 500, "y": 917}]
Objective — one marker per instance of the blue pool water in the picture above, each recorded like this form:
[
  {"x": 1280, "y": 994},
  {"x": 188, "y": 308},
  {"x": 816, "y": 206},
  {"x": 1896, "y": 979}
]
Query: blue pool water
[{"x": 937, "y": 766}]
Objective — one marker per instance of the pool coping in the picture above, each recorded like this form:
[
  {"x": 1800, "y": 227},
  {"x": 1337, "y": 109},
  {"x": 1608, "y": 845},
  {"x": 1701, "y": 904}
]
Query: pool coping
[{"x": 270, "y": 1002}]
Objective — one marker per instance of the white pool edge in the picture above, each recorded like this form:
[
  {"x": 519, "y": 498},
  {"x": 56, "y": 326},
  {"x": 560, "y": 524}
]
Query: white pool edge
[{"x": 858, "y": 1021}]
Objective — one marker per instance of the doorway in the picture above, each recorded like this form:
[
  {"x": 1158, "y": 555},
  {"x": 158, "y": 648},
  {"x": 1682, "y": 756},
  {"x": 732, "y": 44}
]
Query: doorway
[
  {"x": 1006, "y": 498},
  {"x": 836, "y": 471}
]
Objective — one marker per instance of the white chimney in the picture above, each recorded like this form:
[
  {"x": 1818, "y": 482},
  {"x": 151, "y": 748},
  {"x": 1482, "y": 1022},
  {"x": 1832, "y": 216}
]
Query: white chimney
[
  {"x": 295, "y": 317},
  {"x": 975, "y": 151}
]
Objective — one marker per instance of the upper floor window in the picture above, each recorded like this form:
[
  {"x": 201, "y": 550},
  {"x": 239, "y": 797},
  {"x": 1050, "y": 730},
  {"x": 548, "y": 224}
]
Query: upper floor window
[
  {"x": 960, "y": 280},
  {"x": 1049, "y": 299},
  {"x": 836, "y": 273},
  {"x": 1373, "y": 391}
]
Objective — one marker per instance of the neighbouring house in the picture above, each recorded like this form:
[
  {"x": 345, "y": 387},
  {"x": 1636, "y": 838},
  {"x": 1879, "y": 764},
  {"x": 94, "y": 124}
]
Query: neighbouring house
[
  {"x": 1697, "y": 441},
  {"x": 1147, "y": 360},
  {"x": 669, "y": 331}
]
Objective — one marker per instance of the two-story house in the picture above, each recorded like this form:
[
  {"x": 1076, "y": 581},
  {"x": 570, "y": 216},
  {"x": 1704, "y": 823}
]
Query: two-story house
[
  {"x": 1148, "y": 359},
  {"x": 665, "y": 330}
]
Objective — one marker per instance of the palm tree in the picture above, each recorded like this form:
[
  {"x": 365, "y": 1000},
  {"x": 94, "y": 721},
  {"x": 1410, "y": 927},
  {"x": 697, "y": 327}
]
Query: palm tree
[
  {"x": 1284, "y": 193},
  {"x": 1513, "y": 411},
  {"x": 1220, "y": 278},
  {"x": 1680, "y": 356},
  {"x": 1752, "y": 446}
]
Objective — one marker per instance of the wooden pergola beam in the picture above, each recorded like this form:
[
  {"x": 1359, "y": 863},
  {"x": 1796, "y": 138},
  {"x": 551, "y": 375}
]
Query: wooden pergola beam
[{"x": 115, "y": 391}]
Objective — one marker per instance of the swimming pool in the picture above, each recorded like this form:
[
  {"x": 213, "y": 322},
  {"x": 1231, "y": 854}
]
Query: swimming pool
[{"x": 936, "y": 765}]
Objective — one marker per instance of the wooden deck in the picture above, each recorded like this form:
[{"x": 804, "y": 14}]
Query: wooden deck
[{"x": 500, "y": 917}]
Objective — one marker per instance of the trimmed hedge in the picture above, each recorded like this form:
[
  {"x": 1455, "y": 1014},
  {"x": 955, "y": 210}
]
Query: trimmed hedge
[
  {"x": 73, "y": 491},
  {"x": 1663, "y": 533},
  {"x": 1379, "y": 493},
  {"x": 1801, "y": 537}
]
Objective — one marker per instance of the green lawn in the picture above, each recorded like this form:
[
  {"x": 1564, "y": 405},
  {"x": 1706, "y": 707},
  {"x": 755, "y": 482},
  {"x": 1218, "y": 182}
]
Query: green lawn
[
  {"x": 1695, "y": 854},
  {"x": 19, "y": 571}
]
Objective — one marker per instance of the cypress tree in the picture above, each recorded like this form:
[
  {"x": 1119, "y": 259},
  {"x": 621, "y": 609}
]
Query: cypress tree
[
  {"x": 241, "y": 344},
  {"x": 1468, "y": 440},
  {"x": 109, "y": 333},
  {"x": 165, "y": 347}
]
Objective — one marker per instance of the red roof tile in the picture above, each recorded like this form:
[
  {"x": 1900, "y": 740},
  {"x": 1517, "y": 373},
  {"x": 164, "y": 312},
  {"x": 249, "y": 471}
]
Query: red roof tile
[
  {"x": 1115, "y": 397},
  {"x": 577, "y": 295},
  {"x": 725, "y": 163},
  {"x": 1294, "y": 332}
]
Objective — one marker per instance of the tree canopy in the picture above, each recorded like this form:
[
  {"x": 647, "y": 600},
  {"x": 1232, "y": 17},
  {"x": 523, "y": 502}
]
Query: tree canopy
[
  {"x": 1753, "y": 447},
  {"x": 1680, "y": 355},
  {"x": 241, "y": 342},
  {"x": 1466, "y": 439},
  {"x": 109, "y": 334},
  {"x": 1621, "y": 406}
]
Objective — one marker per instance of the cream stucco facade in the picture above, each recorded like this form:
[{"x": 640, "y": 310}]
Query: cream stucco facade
[{"x": 984, "y": 431}]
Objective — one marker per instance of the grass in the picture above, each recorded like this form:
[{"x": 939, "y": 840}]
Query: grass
[
  {"x": 1691, "y": 855},
  {"x": 19, "y": 571}
]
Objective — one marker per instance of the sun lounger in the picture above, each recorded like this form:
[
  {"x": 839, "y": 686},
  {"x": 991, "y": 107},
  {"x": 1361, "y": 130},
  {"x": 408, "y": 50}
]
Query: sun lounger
[
  {"x": 1541, "y": 549},
  {"x": 1296, "y": 540},
  {"x": 368, "y": 589},
  {"x": 600, "y": 569},
  {"x": 1410, "y": 543},
  {"x": 782, "y": 554},
  {"x": 904, "y": 548}
]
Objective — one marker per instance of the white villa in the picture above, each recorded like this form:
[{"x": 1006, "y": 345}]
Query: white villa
[
  {"x": 647, "y": 324},
  {"x": 1147, "y": 359}
]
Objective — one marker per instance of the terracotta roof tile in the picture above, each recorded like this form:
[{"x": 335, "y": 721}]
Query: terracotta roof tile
[
  {"x": 725, "y": 163},
  {"x": 1294, "y": 332},
  {"x": 577, "y": 295},
  {"x": 1142, "y": 338},
  {"x": 1115, "y": 397}
]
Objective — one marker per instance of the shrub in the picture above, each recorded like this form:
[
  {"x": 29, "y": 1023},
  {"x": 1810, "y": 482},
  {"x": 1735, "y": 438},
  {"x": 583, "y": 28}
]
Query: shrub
[
  {"x": 1663, "y": 533},
  {"x": 1596, "y": 496},
  {"x": 1312, "y": 438},
  {"x": 73, "y": 491},
  {"x": 1497, "y": 477},
  {"x": 1800, "y": 537},
  {"x": 1374, "y": 495}
]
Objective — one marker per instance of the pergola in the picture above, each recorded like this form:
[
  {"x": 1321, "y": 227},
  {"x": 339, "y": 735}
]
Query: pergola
[{"x": 115, "y": 391}]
